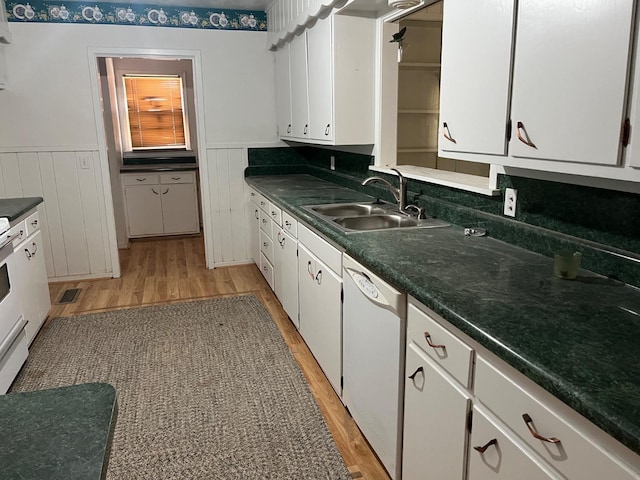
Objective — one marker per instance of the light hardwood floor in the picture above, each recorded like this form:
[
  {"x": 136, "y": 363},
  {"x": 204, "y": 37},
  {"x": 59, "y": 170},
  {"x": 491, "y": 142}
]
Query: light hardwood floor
[{"x": 170, "y": 269}]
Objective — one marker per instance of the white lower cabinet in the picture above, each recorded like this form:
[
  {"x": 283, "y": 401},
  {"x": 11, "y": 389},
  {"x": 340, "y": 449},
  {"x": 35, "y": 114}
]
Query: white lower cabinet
[
  {"x": 435, "y": 421},
  {"x": 496, "y": 455},
  {"x": 320, "y": 291},
  {"x": 163, "y": 204},
  {"x": 286, "y": 273},
  {"x": 30, "y": 278},
  {"x": 254, "y": 232}
]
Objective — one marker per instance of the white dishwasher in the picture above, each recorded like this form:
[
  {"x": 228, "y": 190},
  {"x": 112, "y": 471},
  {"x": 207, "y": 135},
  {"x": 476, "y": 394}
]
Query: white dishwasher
[{"x": 373, "y": 352}]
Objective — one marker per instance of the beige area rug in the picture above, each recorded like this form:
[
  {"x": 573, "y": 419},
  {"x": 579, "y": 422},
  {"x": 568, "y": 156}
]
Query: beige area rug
[{"x": 206, "y": 390}]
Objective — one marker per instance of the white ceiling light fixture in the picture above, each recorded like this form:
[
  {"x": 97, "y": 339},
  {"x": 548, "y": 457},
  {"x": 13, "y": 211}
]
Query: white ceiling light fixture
[{"x": 403, "y": 4}]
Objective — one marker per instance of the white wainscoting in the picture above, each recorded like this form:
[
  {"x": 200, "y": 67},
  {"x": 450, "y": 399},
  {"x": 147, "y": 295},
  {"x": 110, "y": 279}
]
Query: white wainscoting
[
  {"x": 223, "y": 184},
  {"x": 73, "y": 215}
]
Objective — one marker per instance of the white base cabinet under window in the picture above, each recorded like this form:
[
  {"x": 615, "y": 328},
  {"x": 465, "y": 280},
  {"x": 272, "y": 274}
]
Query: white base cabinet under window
[{"x": 161, "y": 204}]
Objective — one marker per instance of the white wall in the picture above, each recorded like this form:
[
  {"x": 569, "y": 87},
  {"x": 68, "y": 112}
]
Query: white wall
[{"x": 48, "y": 104}]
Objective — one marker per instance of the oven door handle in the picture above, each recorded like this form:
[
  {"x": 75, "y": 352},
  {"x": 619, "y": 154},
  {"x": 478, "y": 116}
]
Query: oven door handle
[{"x": 8, "y": 342}]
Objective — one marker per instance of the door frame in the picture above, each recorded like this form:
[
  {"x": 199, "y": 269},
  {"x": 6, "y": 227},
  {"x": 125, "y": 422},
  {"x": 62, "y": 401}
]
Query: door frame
[{"x": 198, "y": 91}]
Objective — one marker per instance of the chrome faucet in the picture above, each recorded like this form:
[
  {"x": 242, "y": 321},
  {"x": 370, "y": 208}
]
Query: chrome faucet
[{"x": 400, "y": 193}]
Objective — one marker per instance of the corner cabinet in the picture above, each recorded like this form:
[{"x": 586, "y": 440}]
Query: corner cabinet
[
  {"x": 325, "y": 83},
  {"x": 161, "y": 204},
  {"x": 567, "y": 98}
]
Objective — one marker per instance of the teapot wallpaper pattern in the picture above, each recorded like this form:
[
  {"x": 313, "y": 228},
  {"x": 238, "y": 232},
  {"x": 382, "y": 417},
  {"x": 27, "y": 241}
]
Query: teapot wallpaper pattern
[{"x": 135, "y": 14}]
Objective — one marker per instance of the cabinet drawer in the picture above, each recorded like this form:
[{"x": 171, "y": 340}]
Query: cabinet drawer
[
  {"x": 266, "y": 225},
  {"x": 266, "y": 246},
  {"x": 140, "y": 179},
  {"x": 576, "y": 455},
  {"x": 276, "y": 213},
  {"x": 290, "y": 224},
  {"x": 18, "y": 233},
  {"x": 32, "y": 223},
  {"x": 267, "y": 270},
  {"x": 258, "y": 199},
  {"x": 177, "y": 177},
  {"x": 326, "y": 252},
  {"x": 452, "y": 354}
]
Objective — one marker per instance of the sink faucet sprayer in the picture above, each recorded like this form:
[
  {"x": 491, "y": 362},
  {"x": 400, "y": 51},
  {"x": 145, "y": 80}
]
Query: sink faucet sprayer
[{"x": 400, "y": 193}]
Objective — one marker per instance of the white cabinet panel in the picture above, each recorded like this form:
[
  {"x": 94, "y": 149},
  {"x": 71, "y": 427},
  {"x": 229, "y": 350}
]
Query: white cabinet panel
[
  {"x": 320, "y": 48},
  {"x": 3, "y": 69},
  {"x": 32, "y": 286},
  {"x": 254, "y": 232},
  {"x": 299, "y": 86},
  {"x": 502, "y": 459},
  {"x": 569, "y": 80},
  {"x": 283, "y": 91},
  {"x": 435, "y": 422},
  {"x": 179, "y": 208},
  {"x": 321, "y": 314},
  {"x": 286, "y": 273},
  {"x": 144, "y": 210},
  {"x": 477, "y": 42}
]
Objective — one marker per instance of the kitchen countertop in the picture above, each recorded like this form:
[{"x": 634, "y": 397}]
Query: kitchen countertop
[
  {"x": 14, "y": 208},
  {"x": 578, "y": 339},
  {"x": 59, "y": 433}
]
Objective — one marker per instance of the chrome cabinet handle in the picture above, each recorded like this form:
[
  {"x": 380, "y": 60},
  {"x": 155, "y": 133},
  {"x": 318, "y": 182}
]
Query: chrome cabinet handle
[
  {"x": 273, "y": 213},
  {"x": 309, "y": 269},
  {"x": 252, "y": 194},
  {"x": 27, "y": 253},
  {"x": 326, "y": 130},
  {"x": 484, "y": 447},
  {"x": 447, "y": 133},
  {"x": 176, "y": 178},
  {"x": 257, "y": 216},
  {"x": 524, "y": 138},
  {"x": 427, "y": 337},
  {"x": 264, "y": 244},
  {"x": 166, "y": 191},
  {"x": 141, "y": 179},
  {"x": 528, "y": 420},
  {"x": 262, "y": 203},
  {"x": 289, "y": 128},
  {"x": 34, "y": 224},
  {"x": 154, "y": 191},
  {"x": 306, "y": 128},
  {"x": 281, "y": 242},
  {"x": 264, "y": 221},
  {"x": 20, "y": 234},
  {"x": 318, "y": 278},
  {"x": 418, "y": 370},
  {"x": 287, "y": 223}
]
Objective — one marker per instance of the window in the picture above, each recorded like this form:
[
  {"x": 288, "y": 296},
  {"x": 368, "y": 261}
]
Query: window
[{"x": 155, "y": 112}]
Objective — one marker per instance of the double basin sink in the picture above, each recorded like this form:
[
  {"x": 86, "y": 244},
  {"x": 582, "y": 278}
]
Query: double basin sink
[{"x": 362, "y": 216}]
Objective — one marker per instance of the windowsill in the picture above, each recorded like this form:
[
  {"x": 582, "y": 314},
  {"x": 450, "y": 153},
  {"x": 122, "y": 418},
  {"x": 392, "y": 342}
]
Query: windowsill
[
  {"x": 460, "y": 181},
  {"x": 159, "y": 157}
]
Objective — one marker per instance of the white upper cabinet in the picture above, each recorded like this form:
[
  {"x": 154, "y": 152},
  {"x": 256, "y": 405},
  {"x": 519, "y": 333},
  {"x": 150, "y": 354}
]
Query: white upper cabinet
[
  {"x": 320, "y": 80},
  {"x": 569, "y": 80},
  {"x": 477, "y": 43},
  {"x": 283, "y": 91},
  {"x": 331, "y": 74},
  {"x": 299, "y": 88}
]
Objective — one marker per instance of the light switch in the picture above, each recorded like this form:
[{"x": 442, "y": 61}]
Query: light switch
[{"x": 85, "y": 160}]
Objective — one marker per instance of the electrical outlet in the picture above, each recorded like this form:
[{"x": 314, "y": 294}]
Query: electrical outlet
[
  {"x": 510, "y": 197},
  {"x": 84, "y": 159},
  {"x": 333, "y": 162}
]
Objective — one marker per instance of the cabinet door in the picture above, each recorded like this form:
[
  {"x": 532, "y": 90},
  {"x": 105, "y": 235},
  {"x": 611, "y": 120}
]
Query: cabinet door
[
  {"x": 179, "y": 208},
  {"x": 503, "y": 458},
  {"x": 320, "y": 60},
  {"x": 3, "y": 69},
  {"x": 283, "y": 91},
  {"x": 435, "y": 422},
  {"x": 144, "y": 210},
  {"x": 569, "y": 80},
  {"x": 321, "y": 314},
  {"x": 286, "y": 273},
  {"x": 254, "y": 222},
  {"x": 299, "y": 92},
  {"x": 477, "y": 43},
  {"x": 33, "y": 288}
]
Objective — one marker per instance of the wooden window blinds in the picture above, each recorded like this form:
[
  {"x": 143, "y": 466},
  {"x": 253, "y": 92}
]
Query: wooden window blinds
[{"x": 155, "y": 111}]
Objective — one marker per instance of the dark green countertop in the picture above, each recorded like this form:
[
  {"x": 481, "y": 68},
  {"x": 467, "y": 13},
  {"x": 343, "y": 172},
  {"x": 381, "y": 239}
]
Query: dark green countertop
[
  {"x": 59, "y": 433},
  {"x": 14, "y": 208},
  {"x": 580, "y": 339}
]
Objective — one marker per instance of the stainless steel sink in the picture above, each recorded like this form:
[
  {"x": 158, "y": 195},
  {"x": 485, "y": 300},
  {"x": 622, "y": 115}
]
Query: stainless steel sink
[
  {"x": 348, "y": 209},
  {"x": 376, "y": 222},
  {"x": 365, "y": 217}
]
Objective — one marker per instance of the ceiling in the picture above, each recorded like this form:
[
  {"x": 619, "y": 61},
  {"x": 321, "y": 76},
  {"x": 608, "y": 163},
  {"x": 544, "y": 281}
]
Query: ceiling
[{"x": 260, "y": 5}]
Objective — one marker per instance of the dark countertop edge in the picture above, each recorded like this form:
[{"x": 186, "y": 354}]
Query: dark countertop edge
[
  {"x": 16, "y": 207},
  {"x": 598, "y": 414},
  {"x": 158, "y": 168}
]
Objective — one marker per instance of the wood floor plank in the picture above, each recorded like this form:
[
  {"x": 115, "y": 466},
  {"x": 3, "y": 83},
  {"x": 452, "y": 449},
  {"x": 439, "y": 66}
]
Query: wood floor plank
[{"x": 170, "y": 269}]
